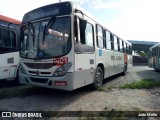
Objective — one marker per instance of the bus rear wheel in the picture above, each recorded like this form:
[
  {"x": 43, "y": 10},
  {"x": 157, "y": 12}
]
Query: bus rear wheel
[{"x": 98, "y": 78}]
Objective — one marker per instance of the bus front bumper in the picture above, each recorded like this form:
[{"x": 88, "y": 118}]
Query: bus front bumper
[{"x": 65, "y": 82}]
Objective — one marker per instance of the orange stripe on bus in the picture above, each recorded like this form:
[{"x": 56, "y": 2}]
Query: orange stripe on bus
[{"x": 125, "y": 57}]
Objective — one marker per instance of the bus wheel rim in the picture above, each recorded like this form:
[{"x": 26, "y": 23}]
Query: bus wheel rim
[{"x": 98, "y": 78}]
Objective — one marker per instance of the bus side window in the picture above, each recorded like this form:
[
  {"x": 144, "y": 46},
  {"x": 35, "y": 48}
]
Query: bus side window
[
  {"x": 86, "y": 33},
  {"x": 130, "y": 49},
  {"x": 121, "y": 45},
  {"x": 118, "y": 44},
  {"x": 112, "y": 42},
  {"x": 126, "y": 48},
  {"x": 115, "y": 43},
  {"x": 75, "y": 29},
  {"x": 108, "y": 40},
  {"x": 99, "y": 34},
  {"x": 124, "y": 45},
  {"x": 8, "y": 39},
  {"x": 89, "y": 35},
  {"x": 12, "y": 39}
]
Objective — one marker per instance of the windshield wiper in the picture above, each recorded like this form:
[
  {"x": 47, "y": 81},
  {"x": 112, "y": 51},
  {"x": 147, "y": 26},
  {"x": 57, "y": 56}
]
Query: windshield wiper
[
  {"x": 44, "y": 33},
  {"x": 50, "y": 23}
]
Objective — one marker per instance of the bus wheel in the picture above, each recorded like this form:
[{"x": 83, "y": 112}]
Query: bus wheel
[{"x": 98, "y": 78}]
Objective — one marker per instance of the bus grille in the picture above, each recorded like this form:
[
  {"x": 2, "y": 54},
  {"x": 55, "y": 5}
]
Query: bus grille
[
  {"x": 39, "y": 80},
  {"x": 39, "y": 65}
]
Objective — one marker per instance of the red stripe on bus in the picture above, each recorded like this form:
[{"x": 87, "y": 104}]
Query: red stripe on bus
[
  {"x": 125, "y": 57},
  {"x": 11, "y": 20}
]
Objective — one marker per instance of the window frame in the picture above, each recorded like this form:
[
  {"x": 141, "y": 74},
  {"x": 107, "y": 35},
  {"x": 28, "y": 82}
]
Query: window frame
[
  {"x": 106, "y": 40},
  {"x": 115, "y": 43},
  {"x": 97, "y": 36},
  {"x": 10, "y": 48}
]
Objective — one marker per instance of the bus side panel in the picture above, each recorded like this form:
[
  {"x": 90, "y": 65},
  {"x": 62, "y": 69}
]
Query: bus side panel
[
  {"x": 4, "y": 72},
  {"x": 108, "y": 63},
  {"x": 8, "y": 65},
  {"x": 119, "y": 62},
  {"x": 105, "y": 57},
  {"x": 4, "y": 66},
  {"x": 14, "y": 65},
  {"x": 84, "y": 69},
  {"x": 130, "y": 61}
]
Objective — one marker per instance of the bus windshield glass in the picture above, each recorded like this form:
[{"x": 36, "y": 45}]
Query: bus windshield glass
[{"x": 42, "y": 41}]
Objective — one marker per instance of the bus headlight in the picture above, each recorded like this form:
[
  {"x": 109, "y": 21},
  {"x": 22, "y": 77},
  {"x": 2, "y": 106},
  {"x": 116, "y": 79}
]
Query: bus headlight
[
  {"x": 21, "y": 69},
  {"x": 62, "y": 70}
]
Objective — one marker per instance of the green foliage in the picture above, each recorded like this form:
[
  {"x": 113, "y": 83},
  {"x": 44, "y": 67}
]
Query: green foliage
[
  {"x": 144, "y": 83},
  {"x": 104, "y": 88}
]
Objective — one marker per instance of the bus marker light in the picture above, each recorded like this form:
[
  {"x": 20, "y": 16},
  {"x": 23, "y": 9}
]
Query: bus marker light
[{"x": 60, "y": 83}]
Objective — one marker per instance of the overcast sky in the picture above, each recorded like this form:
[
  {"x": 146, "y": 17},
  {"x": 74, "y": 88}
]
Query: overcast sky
[{"x": 129, "y": 19}]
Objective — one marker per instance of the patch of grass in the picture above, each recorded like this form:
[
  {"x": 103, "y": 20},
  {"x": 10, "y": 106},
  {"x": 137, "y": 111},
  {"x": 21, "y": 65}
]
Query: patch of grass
[
  {"x": 101, "y": 88},
  {"x": 110, "y": 87},
  {"x": 104, "y": 88},
  {"x": 144, "y": 83}
]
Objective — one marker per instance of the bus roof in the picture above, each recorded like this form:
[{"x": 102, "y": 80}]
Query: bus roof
[{"x": 11, "y": 20}]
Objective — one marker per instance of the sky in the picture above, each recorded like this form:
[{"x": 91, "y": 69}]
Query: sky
[{"x": 129, "y": 19}]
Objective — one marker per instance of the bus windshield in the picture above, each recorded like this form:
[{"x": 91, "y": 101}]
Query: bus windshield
[{"x": 42, "y": 41}]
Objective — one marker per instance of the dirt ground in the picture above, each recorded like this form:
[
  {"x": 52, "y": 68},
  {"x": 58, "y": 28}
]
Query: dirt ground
[{"x": 85, "y": 99}]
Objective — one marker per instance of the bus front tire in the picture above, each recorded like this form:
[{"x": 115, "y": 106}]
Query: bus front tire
[{"x": 98, "y": 78}]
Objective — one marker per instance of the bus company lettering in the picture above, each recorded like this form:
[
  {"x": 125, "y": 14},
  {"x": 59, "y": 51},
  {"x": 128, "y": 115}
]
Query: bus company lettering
[
  {"x": 116, "y": 57},
  {"x": 60, "y": 61}
]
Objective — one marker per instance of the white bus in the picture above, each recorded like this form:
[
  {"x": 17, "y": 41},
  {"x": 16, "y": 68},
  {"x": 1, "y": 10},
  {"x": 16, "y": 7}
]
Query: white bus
[
  {"x": 154, "y": 57},
  {"x": 63, "y": 47},
  {"x": 9, "y": 47}
]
